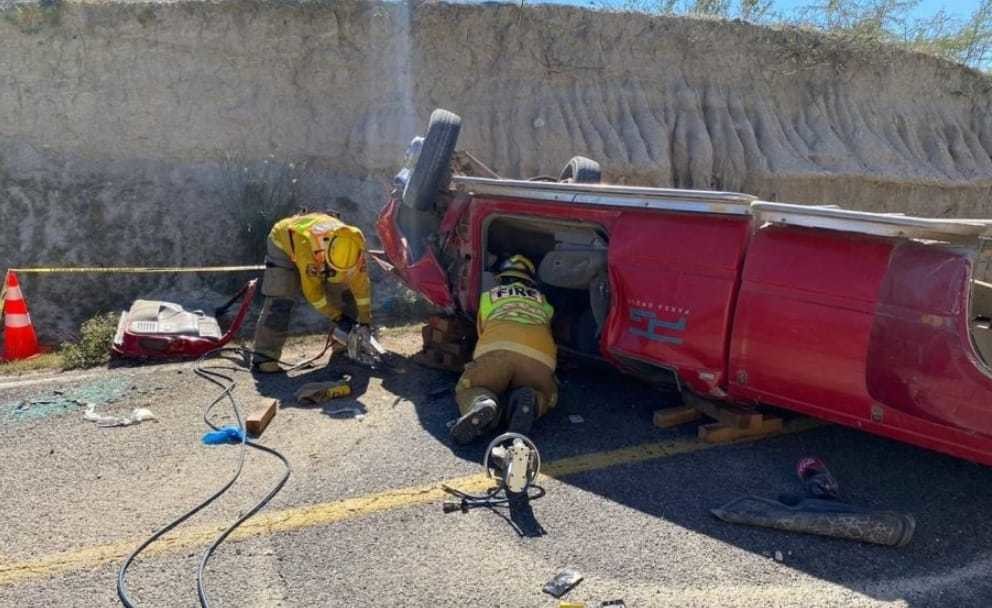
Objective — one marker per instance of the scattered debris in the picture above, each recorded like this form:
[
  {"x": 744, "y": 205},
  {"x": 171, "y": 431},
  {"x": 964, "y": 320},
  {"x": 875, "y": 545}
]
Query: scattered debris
[
  {"x": 226, "y": 434},
  {"x": 257, "y": 421},
  {"x": 817, "y": 479},
  {"x": 353, "y": 412},
  {"x": 822, "y": 514},
  {"x": 563, "y": 582},
  {"x": 152, "y": 329},
  {"x": 138, "y": 415},
  {"x": 614, "y": 604},
  {"x": 576, "y": 419},
  {"x": 61, "y": 401},
  {"x": 779, "y": 557},
  {"x": 824, "y": 517},
  {"x": 315, "y": 393}
]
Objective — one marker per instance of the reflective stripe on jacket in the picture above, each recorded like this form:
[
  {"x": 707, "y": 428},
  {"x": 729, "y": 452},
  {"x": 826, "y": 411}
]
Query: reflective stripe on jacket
[
  {"x": 304, "y": 239},
  {"x": 517, "y": 318}
]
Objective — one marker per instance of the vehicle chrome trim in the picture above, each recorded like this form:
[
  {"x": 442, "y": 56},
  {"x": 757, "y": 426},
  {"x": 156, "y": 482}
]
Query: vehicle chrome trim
[
  {"x": 666, "y": 199},
  {"x": 879, "y": 224}
]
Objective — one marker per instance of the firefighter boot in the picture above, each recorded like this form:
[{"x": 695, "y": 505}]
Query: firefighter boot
[
  {"x": 266, "y": 367},
  {"x": 476, "y": 421},
  {"x": 523, "y": 410}
]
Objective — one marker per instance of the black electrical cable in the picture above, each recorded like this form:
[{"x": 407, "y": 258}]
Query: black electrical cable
[
  {"x": 122, "y": 592},
  {"x": 218, "y": 378},
  {"x": 227, "y": 384}
]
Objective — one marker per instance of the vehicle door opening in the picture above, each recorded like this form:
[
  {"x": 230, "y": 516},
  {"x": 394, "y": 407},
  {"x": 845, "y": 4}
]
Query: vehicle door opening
[{"x": 571, "y": 262}]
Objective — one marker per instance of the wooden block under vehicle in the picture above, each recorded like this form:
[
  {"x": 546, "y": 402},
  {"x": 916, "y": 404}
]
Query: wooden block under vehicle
[
  {"x": 427, "y": 333},
  {"x": 728, "y": 415},
  {"x": 721, "y": 433},
  {"x": 674, "y": 416},
  {"x": 450, "y": 327},
  {"x": 257, "y": 421}
]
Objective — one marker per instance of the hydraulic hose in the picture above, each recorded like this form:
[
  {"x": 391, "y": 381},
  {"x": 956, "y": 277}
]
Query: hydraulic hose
[{"x": 226, "y": 382}]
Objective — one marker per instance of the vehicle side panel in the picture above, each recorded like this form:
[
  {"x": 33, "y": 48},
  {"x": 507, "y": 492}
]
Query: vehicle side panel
[
  {"x": 920, "y": 358},
  {"x": 804, "y": 317},
  {"x": 674, "y": 278},
  {"x": 862, "y": 331}
]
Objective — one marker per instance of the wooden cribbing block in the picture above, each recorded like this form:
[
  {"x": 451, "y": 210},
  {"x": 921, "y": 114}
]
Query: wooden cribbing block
[
  {"x": 674, "y": 416},
  {"x": 721, "y": 433},
  {"x": 728, "y": 415},
  {"x": 257, "y": 421},
  {"x": 451, "y": 327}
]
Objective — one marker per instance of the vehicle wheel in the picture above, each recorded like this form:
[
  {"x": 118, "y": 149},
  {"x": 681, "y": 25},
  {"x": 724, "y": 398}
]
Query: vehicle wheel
[
  {"x": 432, "y": 172},
  {"x": 581, "y": 170}
]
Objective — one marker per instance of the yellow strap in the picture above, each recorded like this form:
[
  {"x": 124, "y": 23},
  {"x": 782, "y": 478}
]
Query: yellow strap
[
  {"x": 320, "y": 303},
  {"x": 137, "y": 269},
  {"x": 361, "y": 301}
]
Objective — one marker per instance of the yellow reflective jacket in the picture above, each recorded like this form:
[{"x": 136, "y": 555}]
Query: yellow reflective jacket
[
  {"x": 516, "y": 317},
  {"x": 304, "y": 239}
]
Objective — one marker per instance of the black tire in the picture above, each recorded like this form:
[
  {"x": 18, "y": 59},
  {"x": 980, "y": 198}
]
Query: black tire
[
  {"x": 432, "y": 172},
  {"x": 581, "y": 170}
]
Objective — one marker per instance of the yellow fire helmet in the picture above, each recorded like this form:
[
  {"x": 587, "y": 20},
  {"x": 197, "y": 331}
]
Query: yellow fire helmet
[
  {"x": 345, "y": 248},
  {"x": 518, "y": 267}
]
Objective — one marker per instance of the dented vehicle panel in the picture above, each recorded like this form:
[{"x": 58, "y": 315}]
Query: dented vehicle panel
[{"x": 875, "y": 321}]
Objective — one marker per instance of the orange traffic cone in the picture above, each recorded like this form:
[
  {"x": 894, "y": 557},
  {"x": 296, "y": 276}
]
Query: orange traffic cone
[{"x": 19, "y": 339}]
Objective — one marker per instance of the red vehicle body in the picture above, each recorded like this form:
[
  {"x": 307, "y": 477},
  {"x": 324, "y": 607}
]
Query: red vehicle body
[
  {"x": 869, "y": 320},
  {"x": 153, "y": 329}
]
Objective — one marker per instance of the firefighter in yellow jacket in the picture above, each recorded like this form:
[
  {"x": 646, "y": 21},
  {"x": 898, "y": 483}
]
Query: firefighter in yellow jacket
[
  {"x": 321, "y": 258},
  {"x": 512, "y": 375}
]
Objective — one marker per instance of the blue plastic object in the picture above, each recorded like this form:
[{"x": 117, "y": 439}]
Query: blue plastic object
[{"x": 226, "y": 434}]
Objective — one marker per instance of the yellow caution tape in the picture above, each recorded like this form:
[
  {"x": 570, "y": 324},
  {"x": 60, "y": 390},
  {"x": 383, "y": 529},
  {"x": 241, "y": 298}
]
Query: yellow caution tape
[
  {"x": 137, "y": 269},
  {"x": 121, "y": 270}
]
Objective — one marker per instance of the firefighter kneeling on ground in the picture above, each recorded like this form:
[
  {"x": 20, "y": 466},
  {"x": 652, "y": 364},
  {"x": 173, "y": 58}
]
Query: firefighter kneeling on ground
[
  {"x": 512, "y": 375},
  {"x": 322, "y": 258}
]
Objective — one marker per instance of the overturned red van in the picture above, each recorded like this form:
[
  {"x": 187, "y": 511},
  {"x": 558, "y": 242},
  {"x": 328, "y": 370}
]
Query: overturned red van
[{"x": 875, "y": 321}]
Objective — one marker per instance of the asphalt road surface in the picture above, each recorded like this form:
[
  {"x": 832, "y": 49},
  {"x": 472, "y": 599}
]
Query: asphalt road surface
[{"x": 360, "y": 521}]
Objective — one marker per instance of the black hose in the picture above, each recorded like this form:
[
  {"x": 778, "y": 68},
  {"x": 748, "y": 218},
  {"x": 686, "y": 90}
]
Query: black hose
[
  {"x": 491, "y": 498},
  {"x": 226, "y": 383}
]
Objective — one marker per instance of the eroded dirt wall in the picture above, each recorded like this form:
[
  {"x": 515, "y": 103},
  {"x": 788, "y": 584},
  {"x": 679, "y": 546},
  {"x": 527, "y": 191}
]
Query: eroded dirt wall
[{"x": 161, "y": 134}]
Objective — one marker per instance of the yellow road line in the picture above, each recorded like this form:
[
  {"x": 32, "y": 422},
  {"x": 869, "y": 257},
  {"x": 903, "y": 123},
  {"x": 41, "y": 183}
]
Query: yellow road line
[{"x": 296, "y": 518}]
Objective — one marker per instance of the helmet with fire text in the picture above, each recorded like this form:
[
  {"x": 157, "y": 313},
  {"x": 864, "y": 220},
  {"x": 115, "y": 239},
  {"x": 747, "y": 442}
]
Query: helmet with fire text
[{"x": 516, "y": 267}]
